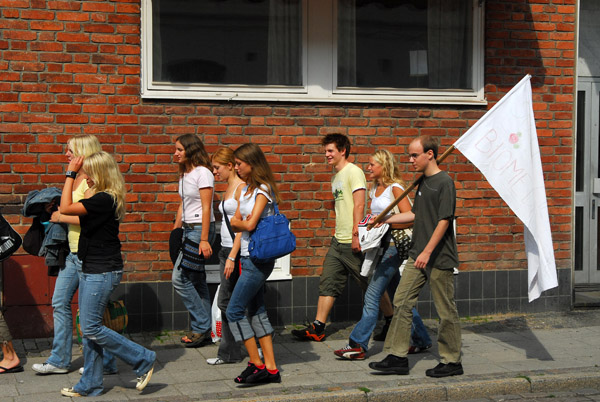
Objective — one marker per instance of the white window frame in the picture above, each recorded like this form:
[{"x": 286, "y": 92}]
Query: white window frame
[{"x": 319, "y": 69}]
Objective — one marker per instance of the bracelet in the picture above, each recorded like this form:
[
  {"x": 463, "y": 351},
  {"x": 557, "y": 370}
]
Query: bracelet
[
  {"x": 231, "y": 259},
  {"x": 203, "y": 240}
]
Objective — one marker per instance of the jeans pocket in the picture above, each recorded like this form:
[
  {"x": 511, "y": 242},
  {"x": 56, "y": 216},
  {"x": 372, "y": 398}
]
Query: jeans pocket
[
  {"x": 116, "y": 278},
  {"x": 193, "y": 234},
  {"x": 93, "y": 277}
]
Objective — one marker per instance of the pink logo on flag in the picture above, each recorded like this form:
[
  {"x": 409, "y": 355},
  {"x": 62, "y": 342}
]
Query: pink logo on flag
[{"x": 514, "y": 139}]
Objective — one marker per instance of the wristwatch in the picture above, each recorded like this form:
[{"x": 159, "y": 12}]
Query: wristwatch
[
  {"x": 71, "y": 174},
  {"x": 231, "y": 259}
]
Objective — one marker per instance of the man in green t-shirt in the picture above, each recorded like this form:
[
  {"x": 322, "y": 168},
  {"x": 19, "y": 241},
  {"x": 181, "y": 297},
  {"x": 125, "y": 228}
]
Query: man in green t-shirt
[
  {"x": 433, "y": 256},
  {"x": 344, "y": 258}
]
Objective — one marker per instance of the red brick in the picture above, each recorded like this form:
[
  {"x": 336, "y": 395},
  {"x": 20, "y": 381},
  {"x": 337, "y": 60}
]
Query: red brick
[
  {"x": 141, "y": 131},
  {"x": 37, "y": 15}
]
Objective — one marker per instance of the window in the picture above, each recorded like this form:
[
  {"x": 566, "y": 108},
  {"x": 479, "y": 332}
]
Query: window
[
  {"x": 281, "y": 270},
  {"x": 424, "y": 51}
]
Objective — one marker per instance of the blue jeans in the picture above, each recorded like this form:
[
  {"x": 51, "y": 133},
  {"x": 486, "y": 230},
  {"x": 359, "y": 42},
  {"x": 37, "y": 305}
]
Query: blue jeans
[
  {"x": 191, "y": 285},
  {"x": 249, "y": 294},
  {"x": 94, "y": 293},
  {"x": 384, "y": 272},
  {"x": 66, "y": 285}
]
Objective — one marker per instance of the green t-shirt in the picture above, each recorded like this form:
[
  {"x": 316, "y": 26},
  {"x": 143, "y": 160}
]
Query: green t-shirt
[
  {"x": 435, "y": 200},
  {"x": 343, "y": 184}
]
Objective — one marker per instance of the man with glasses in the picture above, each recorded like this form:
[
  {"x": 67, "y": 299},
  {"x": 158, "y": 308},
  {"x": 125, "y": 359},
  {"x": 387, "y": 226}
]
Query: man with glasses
[{"x": 433, "y": 256}]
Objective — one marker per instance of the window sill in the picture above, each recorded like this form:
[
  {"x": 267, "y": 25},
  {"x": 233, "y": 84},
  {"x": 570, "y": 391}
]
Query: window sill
[{"x": 438, "y": 98}]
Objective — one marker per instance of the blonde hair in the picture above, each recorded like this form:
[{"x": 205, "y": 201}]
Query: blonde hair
[
  {"x": 261, "y": 172},
  {"x": 84, "y": 145},
  {"x": 104, "y": 171},
  {"x": 223, "y": 156},
  {"x": 390, "y": 173}
]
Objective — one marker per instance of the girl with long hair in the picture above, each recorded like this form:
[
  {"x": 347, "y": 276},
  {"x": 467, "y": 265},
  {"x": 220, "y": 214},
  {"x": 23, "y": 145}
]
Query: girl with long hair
[
  {"x": 223, "y": 163},
  {"x": 386, "y": 187},
  {"x": 99, "y": 249},
  {"x": 256, "y": 202},
  {"x": 67, "y": 282},
  {"x": 195, "y": 216}
]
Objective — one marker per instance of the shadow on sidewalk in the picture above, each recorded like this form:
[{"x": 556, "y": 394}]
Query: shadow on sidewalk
[{"x": 516, "y": 332}]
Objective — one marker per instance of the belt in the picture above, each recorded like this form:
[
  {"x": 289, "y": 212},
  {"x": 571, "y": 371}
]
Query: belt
[{"x": 191, "y": 225}]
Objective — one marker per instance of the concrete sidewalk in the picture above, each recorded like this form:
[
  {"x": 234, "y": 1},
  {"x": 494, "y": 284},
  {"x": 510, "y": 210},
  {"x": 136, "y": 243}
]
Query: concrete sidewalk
[{"x": 514, "y": 355}]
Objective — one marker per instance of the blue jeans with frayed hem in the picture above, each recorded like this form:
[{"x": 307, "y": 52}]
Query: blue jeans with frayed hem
[
  {"x": 66, "y": 285},
  {"x": 384, "y": 272},
  {"x": 94, "y": 293}
]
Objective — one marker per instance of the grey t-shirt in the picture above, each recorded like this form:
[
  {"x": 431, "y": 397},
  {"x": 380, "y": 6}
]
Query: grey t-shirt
[{"x": 435, "y": 200}]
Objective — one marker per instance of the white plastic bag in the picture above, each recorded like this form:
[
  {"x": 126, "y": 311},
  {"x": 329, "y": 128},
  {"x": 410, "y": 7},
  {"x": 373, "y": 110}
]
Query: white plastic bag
[{"x": 215, "y": 332}]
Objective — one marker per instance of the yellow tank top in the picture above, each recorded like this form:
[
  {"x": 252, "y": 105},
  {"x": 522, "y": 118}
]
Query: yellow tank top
[{"x": 75, "y": 230}]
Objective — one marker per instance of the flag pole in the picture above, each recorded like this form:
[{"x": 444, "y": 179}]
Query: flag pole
[{"x": 379, "y": 217}]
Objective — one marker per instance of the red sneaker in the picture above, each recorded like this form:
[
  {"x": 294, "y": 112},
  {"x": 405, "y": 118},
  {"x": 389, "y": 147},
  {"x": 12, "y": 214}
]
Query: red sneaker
[{"x": 350, "y": 353}]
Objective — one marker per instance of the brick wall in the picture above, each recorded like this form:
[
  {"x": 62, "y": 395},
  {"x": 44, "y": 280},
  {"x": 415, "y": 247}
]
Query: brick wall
[{"x": 69, "y": 67}]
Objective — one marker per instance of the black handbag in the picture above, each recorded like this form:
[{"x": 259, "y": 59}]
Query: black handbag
[
  {"x": 34, "y": 237},
  {"x": 191, "y": 259},
  {"x": 402, "y": 242},
  {"x": 402, "y": 238},
  {"x": 175, "y": 242},
  {"x": 10, "y": 240}
]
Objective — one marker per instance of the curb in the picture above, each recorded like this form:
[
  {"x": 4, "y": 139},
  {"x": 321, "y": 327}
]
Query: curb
[{"x": 452, "y": 389}]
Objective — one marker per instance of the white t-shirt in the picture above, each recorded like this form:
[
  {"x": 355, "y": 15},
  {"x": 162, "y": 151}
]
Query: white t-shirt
[
  {"x": 189, "y": 186},
  {"x": 247, "y": 204},
  {"x": 231, "y": 205},
  {"x": 378, "y": 204}
]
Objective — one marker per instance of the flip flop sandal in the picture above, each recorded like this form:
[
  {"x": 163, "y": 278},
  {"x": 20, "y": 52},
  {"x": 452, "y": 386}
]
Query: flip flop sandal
[
  {"x": 196, "y": 340},
  {"x": 16, "y": 369},
  {"x": 186, "y": 338}
]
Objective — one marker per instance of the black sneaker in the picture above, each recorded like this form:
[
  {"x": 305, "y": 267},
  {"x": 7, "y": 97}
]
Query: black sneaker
[
  {"x": 309, "y": 333},
  {"x": 391, "y": 364},
  {"x": 263, "y": 377},
  {"x": 241, "y": 379},
  {"x": 445, "y": 370},
  {"x": 384, "y": 330}
]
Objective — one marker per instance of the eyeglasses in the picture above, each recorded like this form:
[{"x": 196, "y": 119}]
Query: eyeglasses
[{"x": 415, "y": 156}]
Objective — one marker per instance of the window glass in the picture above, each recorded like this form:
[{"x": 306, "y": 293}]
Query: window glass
[
  {"x": 221, "y": 42},
  {"x": 408, "y": 51},
  {"x": 405, "y": 44}
]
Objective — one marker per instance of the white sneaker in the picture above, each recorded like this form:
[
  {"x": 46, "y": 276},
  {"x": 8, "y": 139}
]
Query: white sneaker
[
  {"x": 214, "y": 361},
  {"x": 47, "y": 368},
  {"x": 69, "y": 392},
  {"x": 144, "y": 379}
]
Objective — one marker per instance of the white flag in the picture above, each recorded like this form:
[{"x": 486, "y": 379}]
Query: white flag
[{"x": 503, "y": 145}]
